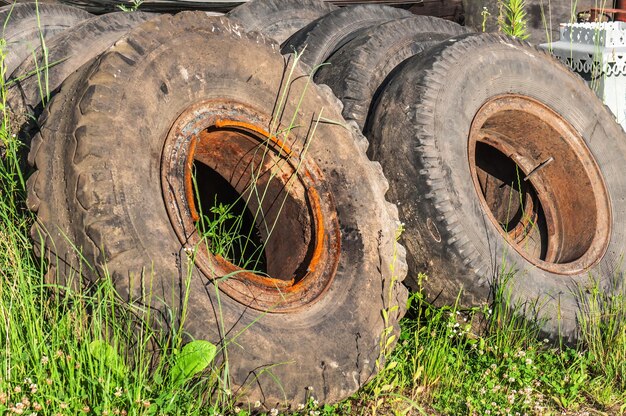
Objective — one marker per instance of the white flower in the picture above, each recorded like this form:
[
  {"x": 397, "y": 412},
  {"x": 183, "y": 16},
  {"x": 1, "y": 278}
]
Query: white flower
[
  {"x": 257, "y": 404},
  {"x": 274, "y": 412}
]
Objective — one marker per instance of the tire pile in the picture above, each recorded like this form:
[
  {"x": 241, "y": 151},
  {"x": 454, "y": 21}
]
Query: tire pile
[{"x": 504, "y": 167}]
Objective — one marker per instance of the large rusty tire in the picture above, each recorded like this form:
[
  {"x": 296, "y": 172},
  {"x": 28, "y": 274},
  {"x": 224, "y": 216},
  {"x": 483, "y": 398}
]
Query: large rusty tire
[
  {"x": 114, "y": 176},
  {"x": 319, "y": 39},
  {"x": 279, "y": 19},
  {"x": 68, "y": 50},
  {"x": 358, "y": 69},
  {"x": 508, "y": 168},
  {"x": 24, "y": 22}
]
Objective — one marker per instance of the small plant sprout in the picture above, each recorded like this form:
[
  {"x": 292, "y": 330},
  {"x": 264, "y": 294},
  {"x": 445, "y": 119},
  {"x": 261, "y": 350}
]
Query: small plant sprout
[
  {"x": 485, "y": 14},
  {"x": 512, "y": 18},
  {"x": 132, "y": 7}
]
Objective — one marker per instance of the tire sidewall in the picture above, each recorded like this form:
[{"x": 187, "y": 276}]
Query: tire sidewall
[
  {"x": 158, "y": 78},
  {"x": 508, "y": 68}
]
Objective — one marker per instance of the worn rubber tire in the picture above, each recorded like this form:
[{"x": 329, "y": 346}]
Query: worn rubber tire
[
  {"x": 279, "y": 19},
  {"x": 358, "y": 69},
  {"x": 112, "y": 206},
  {"x": 419, "y": 131},
  {"x": 68, "y": 50},
  {"x": 22, "y": 30},
  {"x": 321, "y": 38}
]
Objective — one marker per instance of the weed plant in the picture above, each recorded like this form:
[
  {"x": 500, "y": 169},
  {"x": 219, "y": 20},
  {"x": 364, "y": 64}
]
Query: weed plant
[
  {"x": 222, "y": 226},
  {"x": 512, "y": 18},
  {"x": 492, "y": 361}
]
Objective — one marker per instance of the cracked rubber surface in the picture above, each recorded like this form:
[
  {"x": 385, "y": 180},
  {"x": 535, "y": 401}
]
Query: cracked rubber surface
[{"x": 97, "y": 183}]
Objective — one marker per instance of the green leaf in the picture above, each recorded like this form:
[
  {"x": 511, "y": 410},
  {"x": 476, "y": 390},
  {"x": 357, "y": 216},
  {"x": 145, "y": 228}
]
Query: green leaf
[
  {"x": 193, "y": 359},
  {"x": 390, "y": 340},
  {"x": 107, "y": 355}
]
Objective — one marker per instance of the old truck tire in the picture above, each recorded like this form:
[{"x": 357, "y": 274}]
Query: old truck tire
[
  {"x": 503, "y": 172},
  {"x": 279, "y": 19},
  {"x": 314, "y": 319},
  {"x": 320, "y": 38},
  {"x": 358, "y": 69},
  {"x": 22, "y": 29}
]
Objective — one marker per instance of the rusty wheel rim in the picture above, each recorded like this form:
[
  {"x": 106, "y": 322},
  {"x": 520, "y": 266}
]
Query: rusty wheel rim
[
  {"x": 539, "y": 184},
  {"x": 292, "y": 204}
]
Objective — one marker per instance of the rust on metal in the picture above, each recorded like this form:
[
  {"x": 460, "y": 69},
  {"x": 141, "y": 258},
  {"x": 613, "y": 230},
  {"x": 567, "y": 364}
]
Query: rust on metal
[
  {"x": 620, "y": 15},
  {"x": 539, "y": 184},
  {"x": 541, "y": 166},
  {"x": 598, "y": 14},
  {"x": 319, "y": 246},
  {"x": 224, "y": 144},
  {"x": 256, "y": 129},
  {"x": 189, "y": 179}
]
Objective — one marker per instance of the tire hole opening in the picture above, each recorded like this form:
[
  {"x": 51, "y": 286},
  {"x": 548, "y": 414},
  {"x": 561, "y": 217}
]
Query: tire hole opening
[
  {"x": 512, "y": 201},
  {"x": 219, "y": 159},
  {"x": 254, "y": 204},
  {"x": 539, "y": 184},
  {"x": 226, "y": 222}
]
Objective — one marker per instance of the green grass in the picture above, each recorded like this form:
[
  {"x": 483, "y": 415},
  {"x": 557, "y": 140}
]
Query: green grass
[{"x": 69, "y": 351}]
